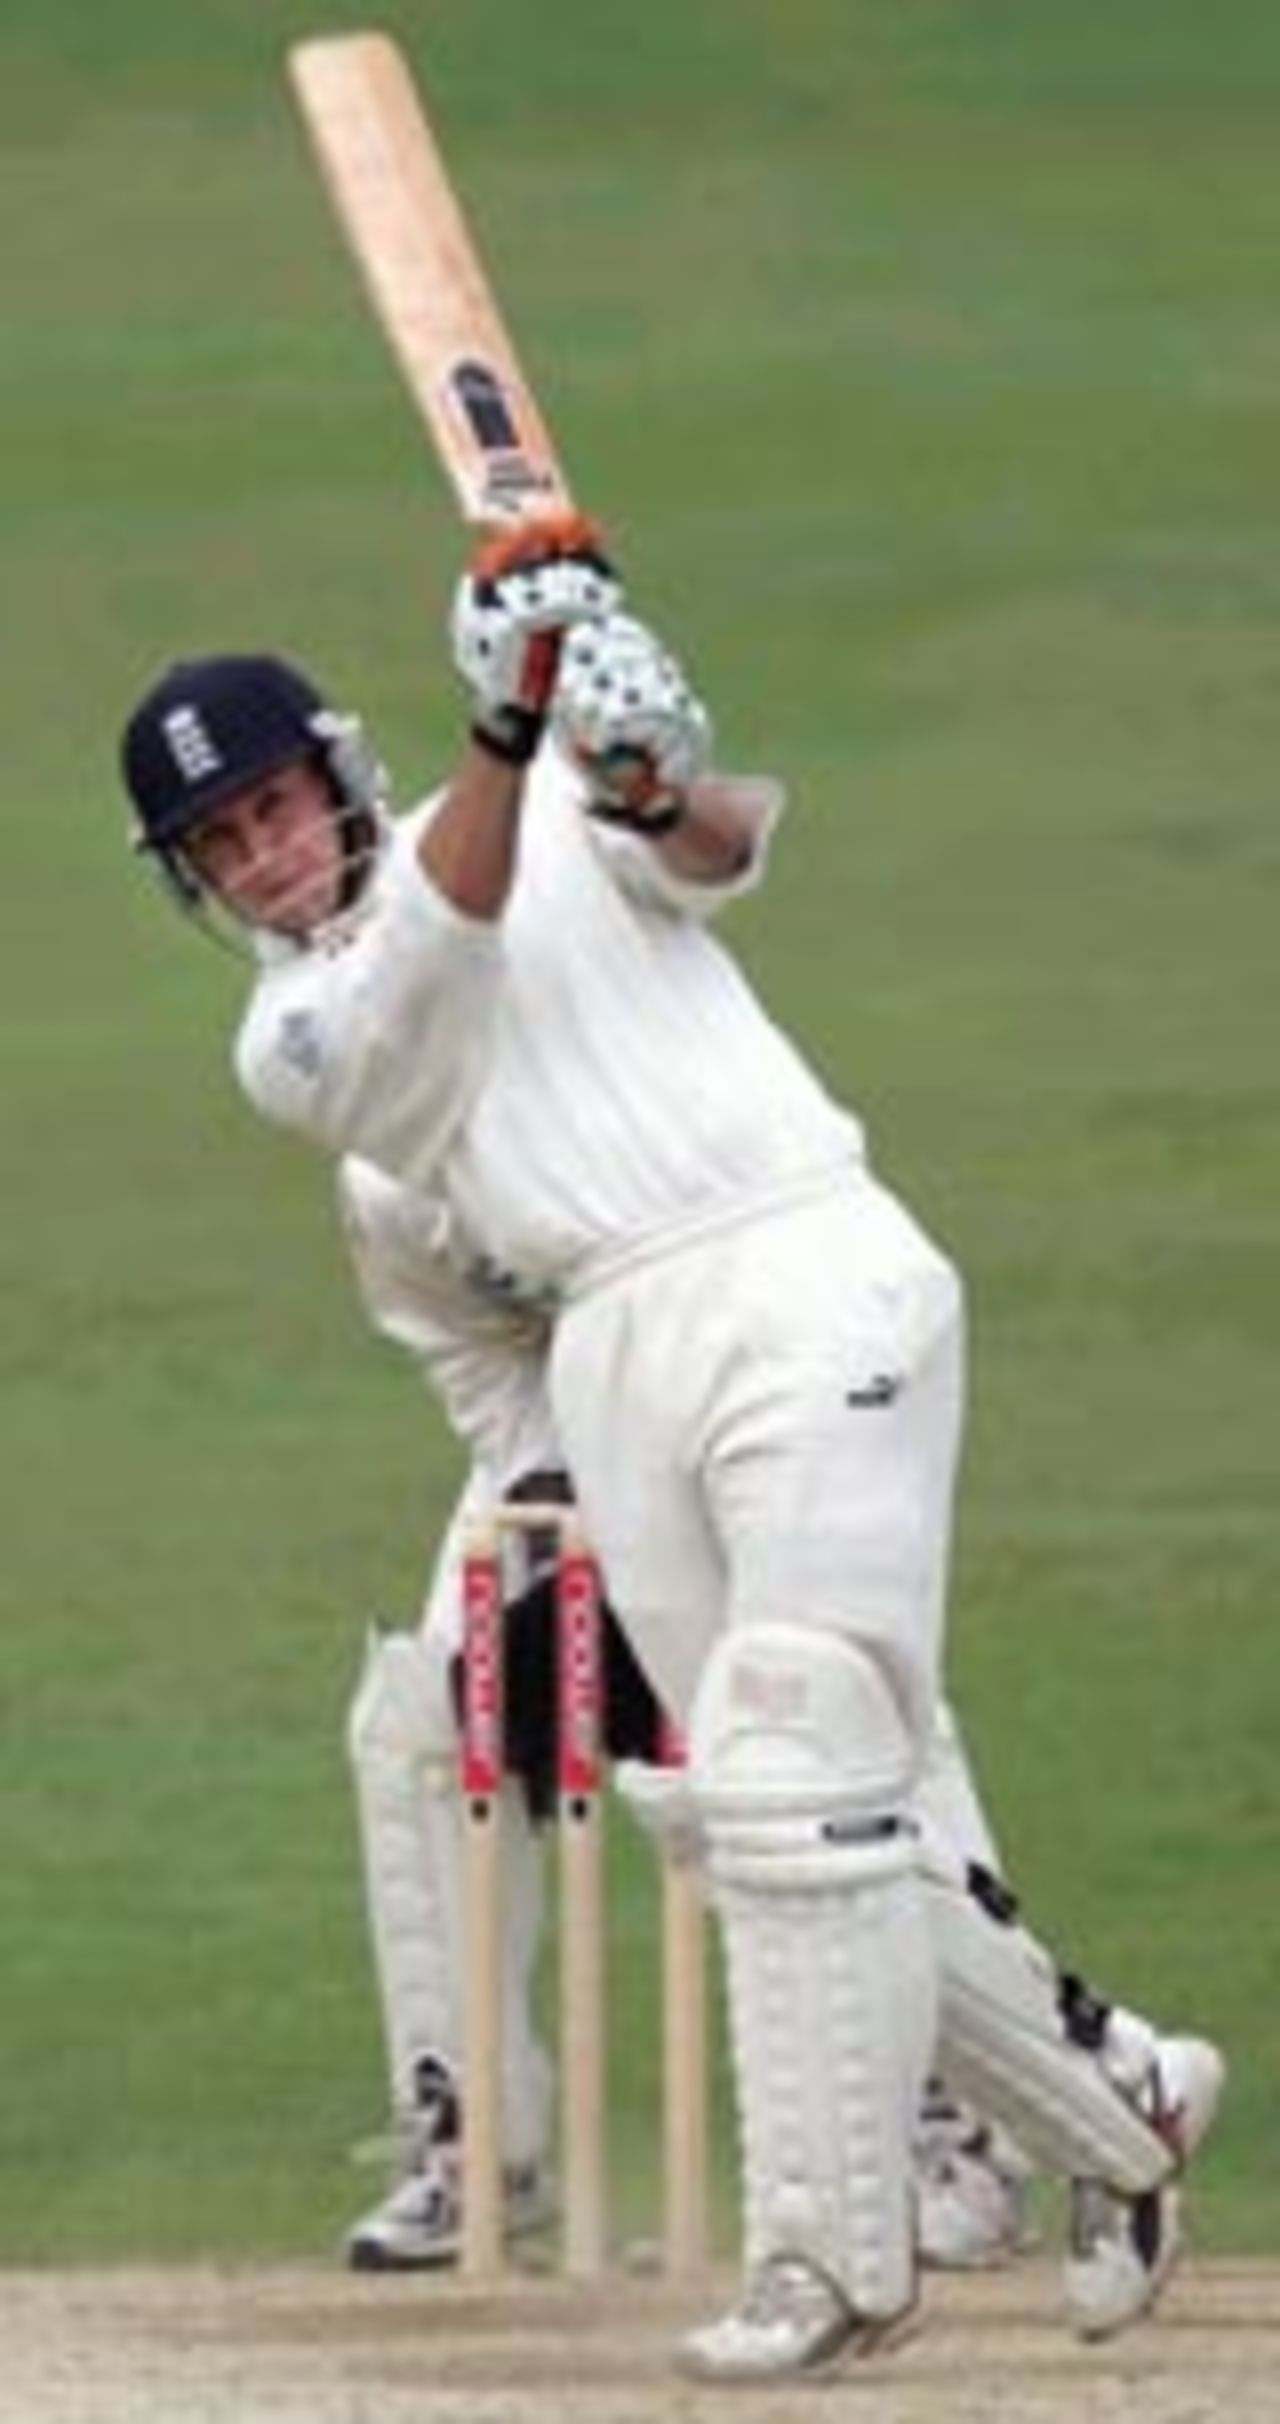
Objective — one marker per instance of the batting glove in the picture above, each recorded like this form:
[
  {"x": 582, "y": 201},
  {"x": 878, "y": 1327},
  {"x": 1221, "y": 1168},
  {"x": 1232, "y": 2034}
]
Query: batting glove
[
  {"x": 625, "y": 713},
  {"x": 520, "y": 595}
]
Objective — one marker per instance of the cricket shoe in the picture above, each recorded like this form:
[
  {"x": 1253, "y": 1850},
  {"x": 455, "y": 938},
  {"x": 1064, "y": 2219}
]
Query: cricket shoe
[
  {"x": 1122, "y": 2250},
  {"x": 418, "y": 2225},
  {"x": 791, "y": 2324},
  {"x": 972, "y": 2188}
]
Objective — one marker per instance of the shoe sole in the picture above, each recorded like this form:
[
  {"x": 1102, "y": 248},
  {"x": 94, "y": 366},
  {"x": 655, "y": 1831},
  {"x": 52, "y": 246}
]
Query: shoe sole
[
  {"x": 1194, "y": 2113},
  {"x": 867, "y": 2339},
  {"x": 370, "y": 2256}
]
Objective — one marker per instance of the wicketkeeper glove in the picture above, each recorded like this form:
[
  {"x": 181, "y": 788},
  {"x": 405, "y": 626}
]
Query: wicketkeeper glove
[
  {"x": 520, "y": 595},
  {"x": 661, "y": 1800},
  {"x": 625, "y": 713}
]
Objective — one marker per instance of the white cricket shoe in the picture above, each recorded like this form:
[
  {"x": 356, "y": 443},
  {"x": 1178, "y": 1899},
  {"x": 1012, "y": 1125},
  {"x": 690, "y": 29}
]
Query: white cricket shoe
[
  {"x": 971, "y": 2182},
  {"x": 418, "y": 2225},
  {"x": 1123, "y": 2249},
  {"x": 792, "y": 2323}
]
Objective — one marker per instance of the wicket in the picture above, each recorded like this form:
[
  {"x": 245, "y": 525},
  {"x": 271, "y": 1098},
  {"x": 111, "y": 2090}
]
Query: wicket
[{"x": 582, "y": 2022}]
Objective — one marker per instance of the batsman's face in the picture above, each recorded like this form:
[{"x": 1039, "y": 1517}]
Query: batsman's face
[{"x": 272, "y": 853}]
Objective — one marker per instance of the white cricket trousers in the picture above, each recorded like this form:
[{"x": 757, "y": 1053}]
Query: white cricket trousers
[{"x": 763, "y": 1423}]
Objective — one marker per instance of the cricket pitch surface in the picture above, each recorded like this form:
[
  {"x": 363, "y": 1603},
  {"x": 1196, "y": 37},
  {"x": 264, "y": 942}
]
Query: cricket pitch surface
[{"x": 204, "y": 2345}]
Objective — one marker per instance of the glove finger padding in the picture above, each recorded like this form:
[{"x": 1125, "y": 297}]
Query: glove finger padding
[
  {"x": 625, "y": 713},
  {"x": 518, "y": 597}
]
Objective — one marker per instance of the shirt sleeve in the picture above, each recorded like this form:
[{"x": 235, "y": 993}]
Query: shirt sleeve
[
  {"x": 485, "y": 1362},
  {"x": 641, "y": 871},
  {"x": 376, "y": 1042}
]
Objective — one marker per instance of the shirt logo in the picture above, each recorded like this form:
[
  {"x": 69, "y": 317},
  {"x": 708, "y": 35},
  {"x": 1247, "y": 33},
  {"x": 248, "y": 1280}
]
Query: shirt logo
[
  {"x": 298, "y": 1041},
  {"x": 191, "y": 744}
]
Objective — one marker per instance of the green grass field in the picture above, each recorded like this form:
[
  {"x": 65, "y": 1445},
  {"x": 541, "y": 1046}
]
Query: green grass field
[{"x": 925, "y": 361}]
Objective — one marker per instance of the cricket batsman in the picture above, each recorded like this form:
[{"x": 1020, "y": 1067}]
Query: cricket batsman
[{"x": 513, "y": 997}]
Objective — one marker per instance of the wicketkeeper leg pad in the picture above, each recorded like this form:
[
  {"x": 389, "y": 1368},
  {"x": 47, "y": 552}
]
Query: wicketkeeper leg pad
[
  {"x": 403, "y": 1747},
  {"x": 800, "y": 1765}
]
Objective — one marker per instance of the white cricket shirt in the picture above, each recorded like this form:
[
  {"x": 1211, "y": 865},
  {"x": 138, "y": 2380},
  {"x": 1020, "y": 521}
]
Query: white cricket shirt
[{"x": 579, "y": 1080}]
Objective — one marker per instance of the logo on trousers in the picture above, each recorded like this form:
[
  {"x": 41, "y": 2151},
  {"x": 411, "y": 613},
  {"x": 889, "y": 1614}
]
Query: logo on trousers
[{"x": 882, "y": 1389}]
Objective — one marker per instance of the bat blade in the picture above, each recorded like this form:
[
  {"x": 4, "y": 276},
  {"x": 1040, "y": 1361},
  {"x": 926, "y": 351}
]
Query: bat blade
[{"x": 428, "y": 287}]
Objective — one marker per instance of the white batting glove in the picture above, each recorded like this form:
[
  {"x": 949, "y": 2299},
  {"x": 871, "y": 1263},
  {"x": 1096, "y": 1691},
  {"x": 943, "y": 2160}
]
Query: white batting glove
[
  {"x": 511, "y": 611},
  {"x": 624, "y": 712}
]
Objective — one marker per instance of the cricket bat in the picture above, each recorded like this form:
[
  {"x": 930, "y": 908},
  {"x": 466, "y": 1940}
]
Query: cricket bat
[
  {"x": 431, "y": 295},
  {"x": 424, "y": 278}
]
